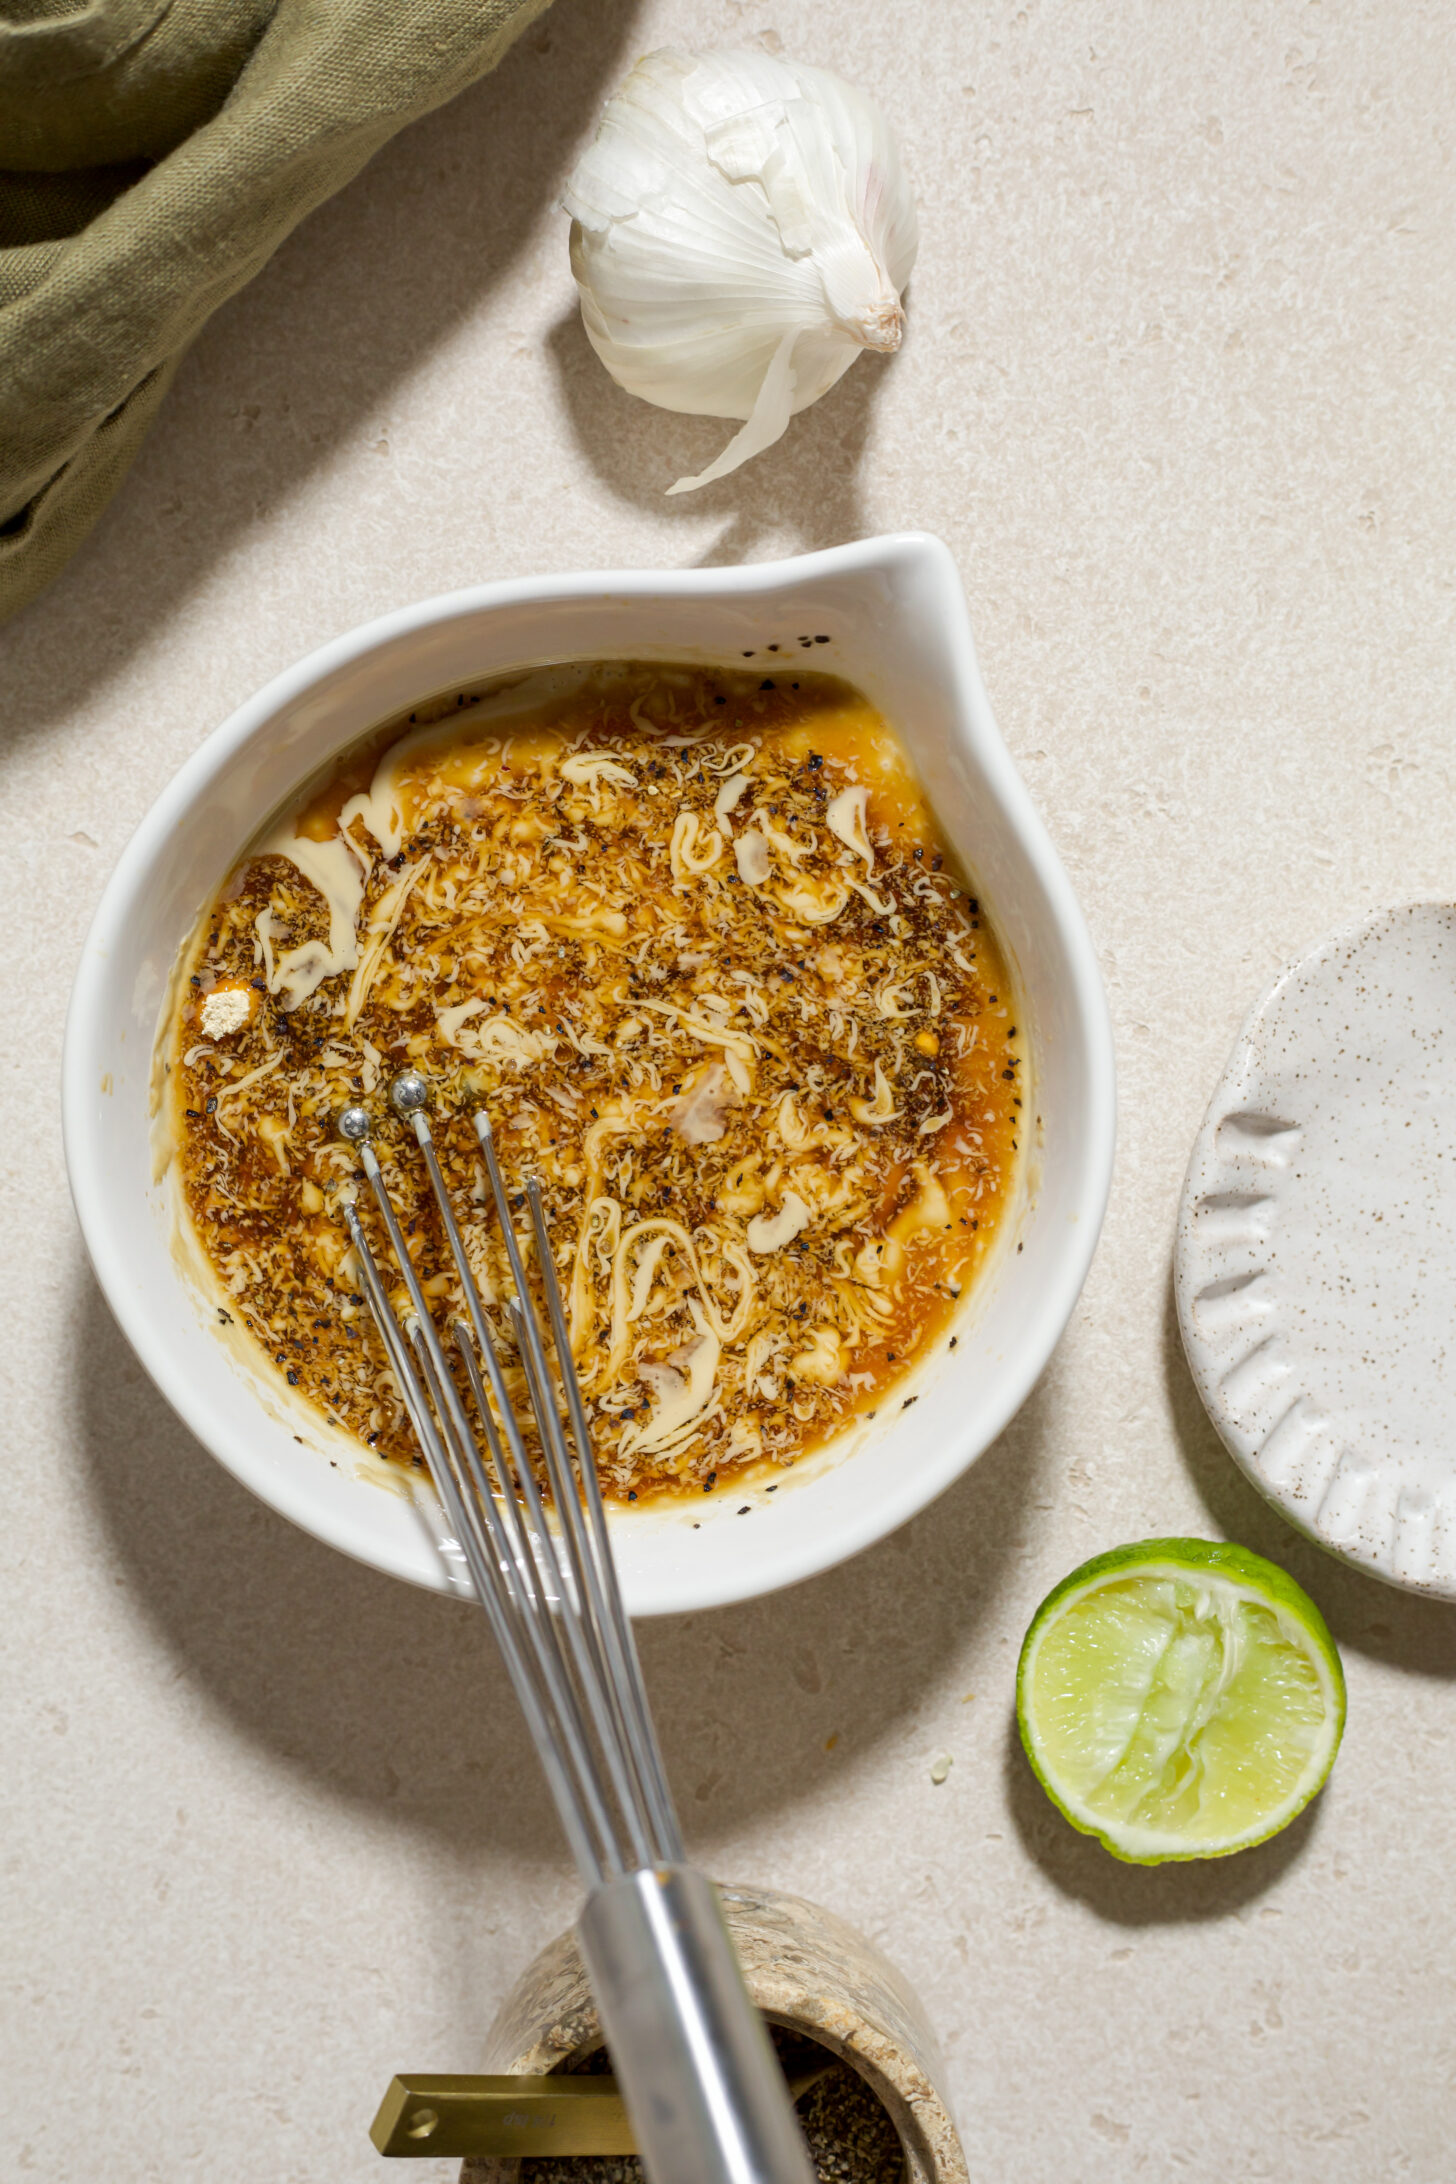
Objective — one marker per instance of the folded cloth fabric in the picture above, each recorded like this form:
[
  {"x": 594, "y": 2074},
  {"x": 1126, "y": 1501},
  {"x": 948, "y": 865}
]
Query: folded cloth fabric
[{"x": 153, "y": 154}]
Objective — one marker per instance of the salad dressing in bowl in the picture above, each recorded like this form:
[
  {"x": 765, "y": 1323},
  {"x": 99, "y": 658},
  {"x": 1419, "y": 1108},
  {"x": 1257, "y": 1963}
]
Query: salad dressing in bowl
[{"x": 692, "y": 938}]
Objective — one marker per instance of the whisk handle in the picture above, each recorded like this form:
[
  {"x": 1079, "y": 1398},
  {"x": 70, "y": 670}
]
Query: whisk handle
[{"x": 703, "y": 2089}]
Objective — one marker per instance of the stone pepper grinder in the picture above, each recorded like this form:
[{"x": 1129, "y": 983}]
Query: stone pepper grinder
[{"x": 809, "y": 1972}]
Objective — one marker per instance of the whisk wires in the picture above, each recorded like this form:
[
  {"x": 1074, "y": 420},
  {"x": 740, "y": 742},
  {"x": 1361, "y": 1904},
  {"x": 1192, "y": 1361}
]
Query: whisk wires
[{"x": 555, "y": 1610}]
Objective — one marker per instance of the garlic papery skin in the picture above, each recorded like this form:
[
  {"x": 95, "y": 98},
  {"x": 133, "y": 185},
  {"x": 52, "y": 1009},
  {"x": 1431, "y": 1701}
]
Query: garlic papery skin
[{"x": 741, "y": 229}]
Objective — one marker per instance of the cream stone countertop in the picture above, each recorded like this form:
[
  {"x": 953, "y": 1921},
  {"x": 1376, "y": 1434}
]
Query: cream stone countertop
[{"x": 1179, "y": 390}]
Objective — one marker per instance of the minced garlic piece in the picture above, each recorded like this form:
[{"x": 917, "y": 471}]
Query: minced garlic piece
[
  {"x": 754, "y": 862},
  {"x": 225, "y": 1010},
  {"x": 684, "y": 935},
  {"x": 846, "y": 818},
  {"x": 770, "y": 1232}
]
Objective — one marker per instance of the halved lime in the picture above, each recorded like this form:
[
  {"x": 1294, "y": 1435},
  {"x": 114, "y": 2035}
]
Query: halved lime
[{"x": 1180, "y": 1698}]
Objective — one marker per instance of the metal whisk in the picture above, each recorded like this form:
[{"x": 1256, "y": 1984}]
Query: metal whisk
[{"x": 707, "y": 2101}]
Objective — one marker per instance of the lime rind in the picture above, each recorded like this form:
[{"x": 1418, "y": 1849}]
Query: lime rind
[{"x": 1191, "y": 1711}]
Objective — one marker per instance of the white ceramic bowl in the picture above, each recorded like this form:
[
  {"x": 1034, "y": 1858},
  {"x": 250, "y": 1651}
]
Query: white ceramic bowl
[{"x": 895, "y": 617}]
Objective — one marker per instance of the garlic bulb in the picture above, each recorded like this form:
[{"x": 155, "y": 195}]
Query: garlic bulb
[{"x": 741, "y": 229}]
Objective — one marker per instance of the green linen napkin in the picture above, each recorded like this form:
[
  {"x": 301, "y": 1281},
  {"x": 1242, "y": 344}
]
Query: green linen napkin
[{"x": 153, "y": 154}]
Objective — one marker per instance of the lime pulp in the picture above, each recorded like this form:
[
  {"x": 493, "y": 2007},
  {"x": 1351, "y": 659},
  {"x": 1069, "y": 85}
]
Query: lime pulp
[{"x": 1180, "y": 1698}]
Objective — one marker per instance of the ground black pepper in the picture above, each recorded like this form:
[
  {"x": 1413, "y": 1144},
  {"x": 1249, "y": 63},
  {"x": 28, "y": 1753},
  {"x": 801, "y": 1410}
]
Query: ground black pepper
[{"x": 850, "y": 2137}]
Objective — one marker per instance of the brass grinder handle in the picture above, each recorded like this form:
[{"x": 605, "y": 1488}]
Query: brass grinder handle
[{"x": 511, "y": 2119}]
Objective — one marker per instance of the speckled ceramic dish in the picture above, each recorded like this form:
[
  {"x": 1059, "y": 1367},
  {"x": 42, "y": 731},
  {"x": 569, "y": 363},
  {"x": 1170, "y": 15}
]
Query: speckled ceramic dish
[{"x": 1316, "y": 1253}]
